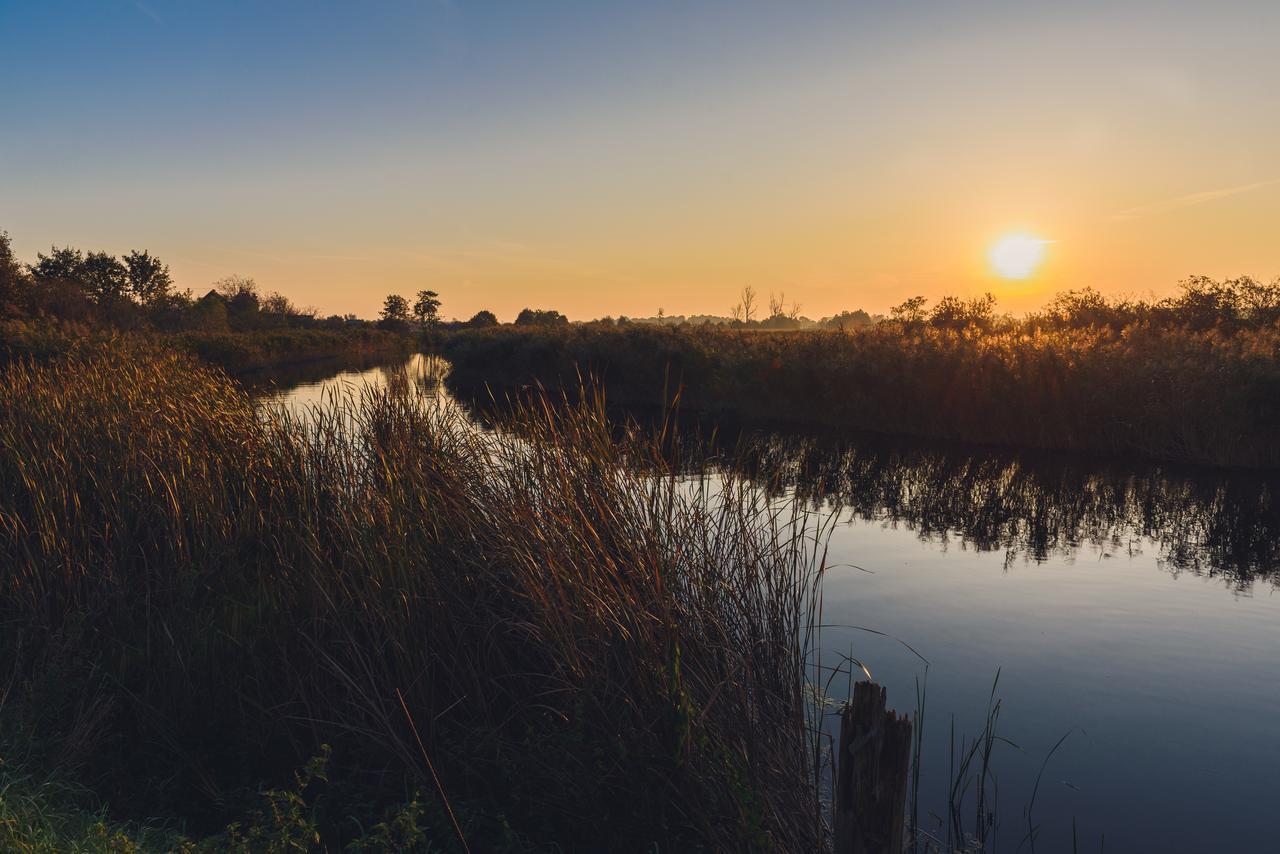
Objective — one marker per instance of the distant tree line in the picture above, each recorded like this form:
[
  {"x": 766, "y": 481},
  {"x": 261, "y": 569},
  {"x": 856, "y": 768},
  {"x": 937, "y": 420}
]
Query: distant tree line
[
  {"x": 745, "y": 314},
  {"x": 1200, "y": 304},
  {"x": 397, "y": 313},
  {"x": 136, "y": 291}
]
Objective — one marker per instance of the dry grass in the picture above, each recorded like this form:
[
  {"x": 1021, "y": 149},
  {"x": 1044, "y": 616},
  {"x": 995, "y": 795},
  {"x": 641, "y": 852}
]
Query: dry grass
[
  {"x": 196, "y": 596},
  {"x": 1170, "y": 392}
]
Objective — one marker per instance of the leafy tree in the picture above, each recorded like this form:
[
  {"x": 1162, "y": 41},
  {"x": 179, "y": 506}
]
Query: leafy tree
[
  {"x": 955, "y": 313},
  {"x": 1260, "y": 301},
  {"x": 395, "y": 309},
  {"x": 910, "y": 312},
  {"x": 60, "y": 265},
  {"x": 482, "y": 318},
  {"x": 780, "y": 321},
  {"x": 58, "y": 285},
  {"x": 540, "y": 317},
  {"x": 209, "y": 313},
  {"x": 147, "y": 278},
  {"x": 856, "y": 319},
  {"x": 240, "y": 295},
  {"x": 172, "y": 311},
  {"x": 105, "y": 278},
  {"x": 12, "y": 279},
  {"x": 1085, "y": 308},
  {"x": 1204, "y": 303},
  {"x": 427, "y": 308},
  {"x": 278, "y": 303}
]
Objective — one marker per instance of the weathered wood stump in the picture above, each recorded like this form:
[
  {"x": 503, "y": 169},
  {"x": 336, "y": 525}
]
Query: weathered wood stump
[{"x": 872, "y": 766}]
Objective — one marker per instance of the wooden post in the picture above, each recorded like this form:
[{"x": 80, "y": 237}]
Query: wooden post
[{"x": 872, "y": 766}]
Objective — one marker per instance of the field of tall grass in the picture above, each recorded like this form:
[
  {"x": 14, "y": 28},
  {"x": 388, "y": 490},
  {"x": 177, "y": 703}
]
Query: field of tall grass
[
  {"x": 235, "y": 352},
  {"x": 487, "y": 641},
  {"x": 1203, "y": 395},
  {"x": 240, "y": 352}
]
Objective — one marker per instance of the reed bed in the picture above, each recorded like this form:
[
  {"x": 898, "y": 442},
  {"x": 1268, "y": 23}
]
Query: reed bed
[
  {"x": 541, "y": 629},
  {"x": 238, "y": 353},
  {"x": 1176, "y": 392}
]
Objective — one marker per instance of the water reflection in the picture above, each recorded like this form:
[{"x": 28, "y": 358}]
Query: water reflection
[
  {"x": 301, "y": 387},
  {"x": 1033, "y": 507}
]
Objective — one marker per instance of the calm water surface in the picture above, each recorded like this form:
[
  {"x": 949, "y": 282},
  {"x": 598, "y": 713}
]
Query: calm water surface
[{"x": 1133, "y": 608}]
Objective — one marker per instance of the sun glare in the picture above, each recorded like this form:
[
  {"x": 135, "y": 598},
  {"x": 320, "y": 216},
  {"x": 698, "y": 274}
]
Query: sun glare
[{"x": 1016, "y": 256}]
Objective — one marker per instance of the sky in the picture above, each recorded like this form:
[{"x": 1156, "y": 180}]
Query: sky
[{"x": 617, "y": 158}]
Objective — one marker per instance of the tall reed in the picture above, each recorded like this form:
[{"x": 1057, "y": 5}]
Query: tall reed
[
  {"x": 542, "y": 625},
  {"x": 1179, "y": 393}
]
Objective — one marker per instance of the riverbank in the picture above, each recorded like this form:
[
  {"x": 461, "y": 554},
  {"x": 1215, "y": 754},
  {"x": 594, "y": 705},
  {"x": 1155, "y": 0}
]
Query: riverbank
[
  {"x": 243, "y": 352},
  {"x": 1197, "y": 396},
  {"x": 235, "y": 352}
]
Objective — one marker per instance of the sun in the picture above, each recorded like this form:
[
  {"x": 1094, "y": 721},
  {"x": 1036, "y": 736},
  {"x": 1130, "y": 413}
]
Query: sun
[{"x": 1016, "y": 256}]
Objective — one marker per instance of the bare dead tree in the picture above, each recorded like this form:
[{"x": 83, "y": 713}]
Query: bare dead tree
[
  {"x": 748, "y": 304},
  {"x": 777, "y": 304}
]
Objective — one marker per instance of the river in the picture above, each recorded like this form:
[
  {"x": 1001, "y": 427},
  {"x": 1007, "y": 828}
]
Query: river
[{"x": 1130, "y": 607}]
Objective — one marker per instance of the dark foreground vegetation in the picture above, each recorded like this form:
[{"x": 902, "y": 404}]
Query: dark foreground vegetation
[
  {"x": 383, "y": 629},
  {"x": 1193, "y": 378}
]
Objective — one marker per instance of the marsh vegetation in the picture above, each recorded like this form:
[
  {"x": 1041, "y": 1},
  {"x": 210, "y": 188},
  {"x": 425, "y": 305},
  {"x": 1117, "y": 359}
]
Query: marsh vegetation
[
  {"x": 1195, "y": 378},
  {"x": 199, "y": 599}
]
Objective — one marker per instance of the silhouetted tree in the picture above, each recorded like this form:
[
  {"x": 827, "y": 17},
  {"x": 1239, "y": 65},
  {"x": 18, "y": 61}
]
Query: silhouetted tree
[
  {"x": 1204, "y": 303},
  {"x": 147, "y": 278},
  {"x": 1261, "y": 302},
  {"x": 57, "y": 284},
  {"x": 483, "y": 318},
  {"x": 65, "y": 264},
  {"x": 209, "y": 313},
  {"x": 745, "y": 310},
  {"x": 848, "y": 320},
  {"x": 1084, "y": 308},
  {"x": 13, "y": 280},
  {"x": 427, "y": 308},
  {"x": 395, "y": 309},
  {"x": 240, "y": 294},
  {"x": 172, "y": 312},
  {"x": 955, "y": 313},
  {"x": 395, "y": 313},
  {"x": 909, "y": 312},
  {"x": 104, "y": 278},
  {"x": 540, "y": 317},
  {"x": 277, "y": 303}
]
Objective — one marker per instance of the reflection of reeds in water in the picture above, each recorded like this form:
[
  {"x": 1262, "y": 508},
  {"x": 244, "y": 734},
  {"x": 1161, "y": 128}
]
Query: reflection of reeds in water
[
  {"x": 1032, "y": 506},
  {"x": 421, "y": 373}
]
